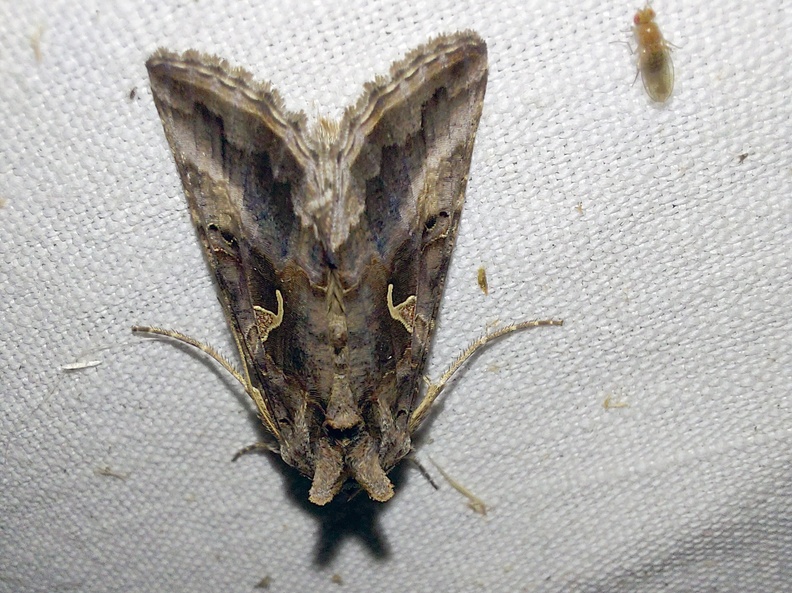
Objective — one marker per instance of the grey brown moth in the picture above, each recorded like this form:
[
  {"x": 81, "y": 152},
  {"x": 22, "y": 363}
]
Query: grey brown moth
[{"x": 330, "y": 245}]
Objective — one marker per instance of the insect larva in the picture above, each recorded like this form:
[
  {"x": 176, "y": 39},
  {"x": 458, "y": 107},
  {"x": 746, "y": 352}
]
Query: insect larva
[{"x": 654, "y": 56}]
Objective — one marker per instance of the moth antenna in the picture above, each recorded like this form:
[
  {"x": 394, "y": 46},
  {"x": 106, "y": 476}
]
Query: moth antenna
[
  {"x": 435, "y": 389},
  {"x": 254, "y": 393},
  {"x": 205, "y": 348}
]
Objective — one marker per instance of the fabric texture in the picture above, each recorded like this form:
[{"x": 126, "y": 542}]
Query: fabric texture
[{"x": 642, "y": 447}]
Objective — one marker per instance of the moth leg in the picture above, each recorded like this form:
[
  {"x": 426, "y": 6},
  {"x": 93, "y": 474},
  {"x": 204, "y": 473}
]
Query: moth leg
[
  {"x": 474, "y": 502},
  {"x": 423, "y": 471},
  {"x": 434, "y": 390},
  {"x": 261, "y": 446}
]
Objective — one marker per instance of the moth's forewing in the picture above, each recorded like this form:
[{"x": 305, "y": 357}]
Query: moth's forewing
[{"x": 409, "y": 170}]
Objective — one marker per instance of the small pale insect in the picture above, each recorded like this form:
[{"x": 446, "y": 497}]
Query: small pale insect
[
  {"x": 654, "y": 56},
  {"x": 482, "y": 280}
]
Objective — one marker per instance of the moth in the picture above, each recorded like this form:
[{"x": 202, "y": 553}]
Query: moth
[
  {"x": 330, "y": 246},
  {"x": 654, "y": 56}
]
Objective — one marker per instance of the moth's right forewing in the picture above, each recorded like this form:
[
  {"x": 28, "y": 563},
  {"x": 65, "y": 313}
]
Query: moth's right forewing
[{"x": 409, "y": 148}]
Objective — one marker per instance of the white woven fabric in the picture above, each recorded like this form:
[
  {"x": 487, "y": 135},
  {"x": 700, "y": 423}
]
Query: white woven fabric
[{"x": 643, "y": 447}]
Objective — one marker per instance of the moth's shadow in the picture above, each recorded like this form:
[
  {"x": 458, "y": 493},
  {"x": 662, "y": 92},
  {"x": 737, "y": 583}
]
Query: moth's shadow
[{"x": 351, "y": 514}]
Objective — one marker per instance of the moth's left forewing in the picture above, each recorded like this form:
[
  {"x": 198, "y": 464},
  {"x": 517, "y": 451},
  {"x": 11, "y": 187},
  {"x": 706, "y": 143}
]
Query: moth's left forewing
[
  {"x": 242, "y": 158},
  {"x": 408, "y": 146}
]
